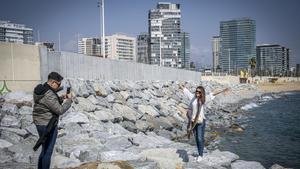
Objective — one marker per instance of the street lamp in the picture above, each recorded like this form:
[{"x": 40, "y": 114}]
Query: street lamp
[{"x": 229, "y": 50}]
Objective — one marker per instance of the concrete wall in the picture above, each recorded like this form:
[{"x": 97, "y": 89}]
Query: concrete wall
[
  {"x": 19, "y": 66},
  {"x": 75, "y": 65}
]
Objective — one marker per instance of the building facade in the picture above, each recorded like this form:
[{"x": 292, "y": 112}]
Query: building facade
[
  {"x": 238, "y": 40},
  {"x": 185, "y": 50},
  {"x": 143, "y": 48},
  {"x": 120, "y": 47},
  {"x": 165, "y": 35},
  {"x": 90, "y": 46},
  {"x": 272, "y": 60},
  {"x": 15, "y": 33},
  {"x": 216, "y": 51}
]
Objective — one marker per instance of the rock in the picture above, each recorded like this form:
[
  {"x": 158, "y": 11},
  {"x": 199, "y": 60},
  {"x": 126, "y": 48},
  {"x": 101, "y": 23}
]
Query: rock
[
  {"x": 99, "y": 89},
  {"x": 9, "y": 108},
  {"x": 25, "y": 110},
  {"x": 19, "y": 98},
  {"x": 183, "y": 154},
  {"x": 126, "y": 112},
  {"x": 165, "y": 157},
  {"x": 85, "y": 105},
  {"x": 128, "y": 125},
  {"x": 26, "y": 120},
  {"x": 10, "y": 121},
  {"x": 144, "y": 164},
  {"x": 125, "y": 94},
  {"x": 79, "y": 87},
  {"x": 240, "y": 164},
  {"x": 23, "y": 153},
  {"x": 5, "y": 155},
  {"x": 147, "y": 109},
  {"x": 93, "y": 100},
  {"x": 104, "y": 115},
  {"x": 103, "y": 102},
  {"x": 142, "y": 125},
  {"x": 236, "y": 128},
  {"x": 32, "y": 130},
  {"x": 20, "y": 132},
  {"x": 108, "y": 156},
  {"x": 60, "y": 161},
  {"x": 4, "y": 144},
  {"x": 218, "y": 158},
  {"x": 117, "y": 143},
  {"x": 277, "y": 166},
  {"x": 75, "y": 117},
  {"x": 10, "y": 136}
]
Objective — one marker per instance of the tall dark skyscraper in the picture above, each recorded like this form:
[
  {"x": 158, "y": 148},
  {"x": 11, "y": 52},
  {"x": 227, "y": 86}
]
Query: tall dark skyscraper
[
  {"x": 238, "y": 40},
  {"x": 165, "y": 35}
]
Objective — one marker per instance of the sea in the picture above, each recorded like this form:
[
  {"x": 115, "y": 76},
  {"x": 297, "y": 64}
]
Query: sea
[{"x": 272, "y": 133}]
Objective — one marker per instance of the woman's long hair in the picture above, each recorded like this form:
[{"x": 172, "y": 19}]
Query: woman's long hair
[{"x": 202, "y": 99}]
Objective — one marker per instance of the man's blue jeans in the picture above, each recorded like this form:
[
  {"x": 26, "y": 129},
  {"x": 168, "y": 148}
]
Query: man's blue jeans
[
  {"x": 47, "y": 147},
  {"x": 199, "y": 136}
]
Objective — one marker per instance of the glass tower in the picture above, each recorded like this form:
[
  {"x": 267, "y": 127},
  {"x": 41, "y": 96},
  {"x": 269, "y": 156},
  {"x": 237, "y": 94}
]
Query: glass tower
[{"x": 238, "y": 38}]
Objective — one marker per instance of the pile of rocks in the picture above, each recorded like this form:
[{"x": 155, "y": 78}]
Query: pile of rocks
[{"x": 114, "y": 123}]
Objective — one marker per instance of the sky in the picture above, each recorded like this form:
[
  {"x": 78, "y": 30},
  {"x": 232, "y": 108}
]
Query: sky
[{"x": 277, "y": 21}]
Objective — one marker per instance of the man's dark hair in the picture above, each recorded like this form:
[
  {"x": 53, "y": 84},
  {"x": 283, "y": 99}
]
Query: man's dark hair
[{"x": 55, "y": 76}]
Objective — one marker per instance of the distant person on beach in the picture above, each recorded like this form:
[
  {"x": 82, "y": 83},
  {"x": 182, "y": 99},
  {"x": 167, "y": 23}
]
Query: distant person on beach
[
  {"x": 196, "y": 114},
  {"x": 46, "y": 110}
]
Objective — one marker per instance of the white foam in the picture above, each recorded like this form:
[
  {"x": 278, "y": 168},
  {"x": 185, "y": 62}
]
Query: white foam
[
  {"x": 249, "y": 106},
  {"x": 267, "y": 98}
]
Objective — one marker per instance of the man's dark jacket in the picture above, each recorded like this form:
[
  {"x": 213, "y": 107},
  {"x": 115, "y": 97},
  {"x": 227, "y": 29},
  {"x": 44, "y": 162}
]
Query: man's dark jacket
[{"x": 46, "y": 104}]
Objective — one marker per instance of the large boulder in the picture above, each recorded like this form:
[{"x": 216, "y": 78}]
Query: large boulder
[
  {"x": 4, "y": 143},
  {"x": 241, "y": 164},
  {"x": 85, "y": 105},
  {"x": 75, "y": 117},
  {"x": 19, "y": 98},
  {"x": 165, "y": 157},
  {"x": 218, "y": 158},
  {"x": 126, "y": 112},
  {"x": 10, "y": 121},
  {"x": 147, "y": 109}
]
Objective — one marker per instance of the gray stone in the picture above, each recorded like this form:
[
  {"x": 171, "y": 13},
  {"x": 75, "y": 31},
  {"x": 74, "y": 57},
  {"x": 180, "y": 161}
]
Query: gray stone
[
  {"x": 10, "y": 121},
  {"x": 144, "y": 164},
  {"x": 125, "y": 94},
  {"x": 10, "y": 136},
  {"x": 93, "y": 100},
  {"x": 218, "y": 158},
  {"x": 60, "y": 161},
  {"x": 9, "y": 108},
  {"x": 142, "y": 125},
  {"x": 126, "y": 112},
  {"x": 79, "y": 87},
  {"x": 147, "y": 109},
  {"x": 99, "y": 89},
  {"x": 117, "y": 143},
  {"x": 240, "y": 164},
  {"x": 165, "y": 157},
  {"x": 277, "y": 166},
  {"x": 32, "y": 130},
  {"x": 20, "y": 132},
  {"x": 4, "y": 144},
  {"x": 19, "y": 98},
  {"x": 22, "y": 153},
  {"x": 104, "y": 115},
  {"x": 74, "y": 117},
  {"x": 118, "y": 155},
  {"x": 103, "y": 102},
  {"x": 26, "y": 120},
  {"x": 128, "y": 125},
  {"x": 5, "y": 156},
  {"x": 85, "y": 105}
]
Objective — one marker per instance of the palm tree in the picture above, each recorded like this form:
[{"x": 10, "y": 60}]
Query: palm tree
[{"x": 252, "y": 63}]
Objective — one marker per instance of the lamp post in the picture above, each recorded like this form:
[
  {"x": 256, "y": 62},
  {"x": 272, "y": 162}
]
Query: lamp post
[
  {"x": 101, "y": 5},
  {"x": 229, "y": 50}
]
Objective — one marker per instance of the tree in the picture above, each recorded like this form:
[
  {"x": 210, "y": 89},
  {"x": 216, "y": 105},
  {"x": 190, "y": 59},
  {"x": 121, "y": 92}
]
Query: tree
[{"x": 252, "y": 63}]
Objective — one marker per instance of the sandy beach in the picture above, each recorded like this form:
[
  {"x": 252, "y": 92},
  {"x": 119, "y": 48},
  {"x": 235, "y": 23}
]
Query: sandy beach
[{"x": 278, "y": 87}]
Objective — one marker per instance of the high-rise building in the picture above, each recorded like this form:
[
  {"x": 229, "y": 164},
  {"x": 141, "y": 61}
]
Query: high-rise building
[
  {"x": 185, "y": 50},
  {"x": 272, "y": 60},
  {"x": 143, "y": 48},
  {"x": 165, "y": 35},
  {"x": 120, "y": 47},
  {"x": 238, "y": 38},
  {"x": 298, "y": 70},
  {"x": 117, "y": 46},
  {"x": 89, "y": 46},
  {"x": 15, "y": 33},
  {"x": 216, "y": 42}
]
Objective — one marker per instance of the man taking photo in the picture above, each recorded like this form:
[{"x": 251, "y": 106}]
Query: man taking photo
[{"x": 47, "y": 108}]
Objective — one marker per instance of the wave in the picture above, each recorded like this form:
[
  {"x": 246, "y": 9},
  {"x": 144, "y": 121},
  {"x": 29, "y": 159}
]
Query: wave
[{"x": 249, "y": 106}]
